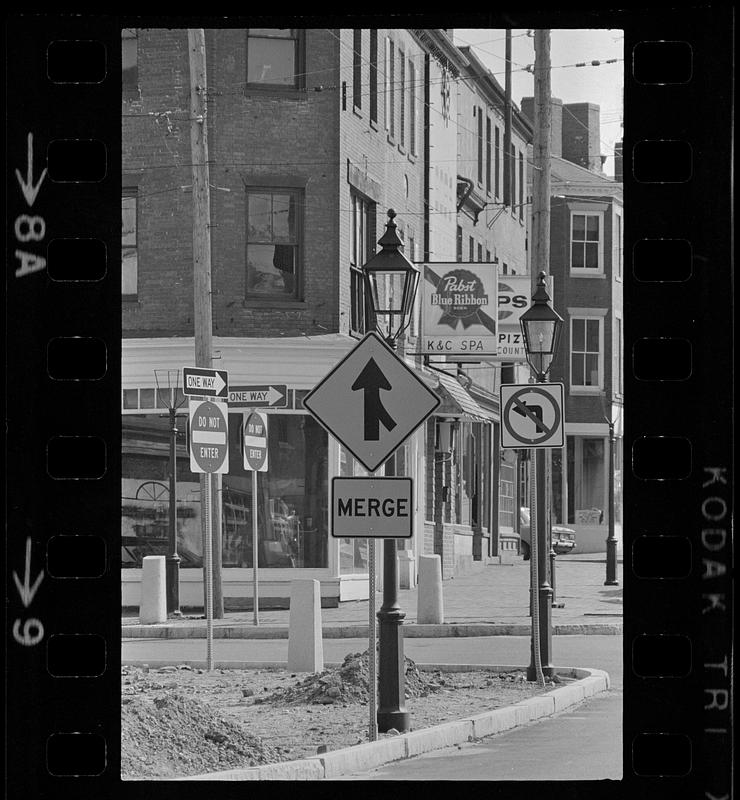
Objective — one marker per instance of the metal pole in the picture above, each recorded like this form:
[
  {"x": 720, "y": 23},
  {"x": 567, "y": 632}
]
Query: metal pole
[
  {"x": 534, "y": 671},
  {"x": 611, "y": 542},
  {"x": 255, "y": 550},
  {"x": 372, "y": 668},
  {"x": 392, "y": 701},
  {"x": 172, "y": 563},
  {"x": 209, "y": 574}
]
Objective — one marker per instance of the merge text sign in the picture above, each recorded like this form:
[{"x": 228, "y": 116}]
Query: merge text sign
[{"x": 372, "y": 508}]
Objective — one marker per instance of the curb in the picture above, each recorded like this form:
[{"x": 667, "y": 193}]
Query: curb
[
  {"x": 370, "y": 755},
  {"x": 410, "y": 631}
]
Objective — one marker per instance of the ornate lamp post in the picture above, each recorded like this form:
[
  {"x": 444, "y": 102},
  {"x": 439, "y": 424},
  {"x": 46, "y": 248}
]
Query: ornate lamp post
[
  {"x": 167, "y": 394},
  {"x": 611, "y": 540},
  {"x": 541, "y": 326},
  {"x": 390, "y": 284}
]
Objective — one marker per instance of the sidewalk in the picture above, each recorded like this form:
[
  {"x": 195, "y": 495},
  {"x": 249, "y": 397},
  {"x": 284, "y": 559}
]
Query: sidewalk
[{"x": 490, "y": 600}]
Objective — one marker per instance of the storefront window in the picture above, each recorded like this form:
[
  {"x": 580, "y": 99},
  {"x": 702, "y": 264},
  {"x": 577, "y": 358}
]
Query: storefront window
[
  {"x": 586, "y": 480},
  {"x": 292, "y": 496},
  {"x": 352, "y": 551}
]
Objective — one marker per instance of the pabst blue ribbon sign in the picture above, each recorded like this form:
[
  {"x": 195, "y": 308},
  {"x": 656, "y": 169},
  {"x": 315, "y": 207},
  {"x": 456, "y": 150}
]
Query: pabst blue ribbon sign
[{"x": 460, "y": 309}]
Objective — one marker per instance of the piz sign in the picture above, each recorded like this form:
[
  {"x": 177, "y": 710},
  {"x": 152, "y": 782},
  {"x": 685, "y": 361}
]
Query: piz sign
[
  {"x": 372, "y": 508},
  {"x": 371, "y": 401}
]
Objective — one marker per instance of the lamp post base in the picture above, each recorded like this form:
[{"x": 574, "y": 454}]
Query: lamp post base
[
  {"x": 172, "y": 577},
  {"x": 611, "y": 563},
  {"x": 392, "y": 674}
]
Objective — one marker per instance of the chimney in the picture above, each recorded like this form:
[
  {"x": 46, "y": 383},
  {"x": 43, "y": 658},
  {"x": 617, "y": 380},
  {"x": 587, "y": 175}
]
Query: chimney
[
  {"x": 556, "y": 138},
  {"x": 582, "y": 135}
]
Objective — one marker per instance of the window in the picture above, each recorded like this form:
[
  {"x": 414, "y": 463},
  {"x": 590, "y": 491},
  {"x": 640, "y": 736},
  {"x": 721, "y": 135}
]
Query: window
[
  {"x": 129, "y": 63},
  {"x": 497, "y": 162},
  {"x": 361, "y": 236},
  {"x": 410, "y": 253},
  {"x": 471, "y": 249},
  {"x": 585, "y": 352},
  {"x": 129, "y": 244},
  {"x": 617, "y": 249},
  {"x": 412, "y": 108},
  {"x": 459, "y": 244},
  {"x": 480, "y": 252},
  {"x": 272, "y": 57},
  {"x": 390, "y": 86},
  {"x": 512, "y": 179},
  {"x": 402, "y": 96},
  {"x": 521, "y": 186},
  {"x": 488, "y": 255},
  {"x": 273, "y": 233},
  {"x": 357, "y": 68},
  {"x": 586, "y": 243},
  {"x": 374, "y": 75},
  {"x": 488, "y": 155},
  {"x": 619, "y": 385},
  {"x": 480, "y": 144},
  {"x": 586, "y": 480}
]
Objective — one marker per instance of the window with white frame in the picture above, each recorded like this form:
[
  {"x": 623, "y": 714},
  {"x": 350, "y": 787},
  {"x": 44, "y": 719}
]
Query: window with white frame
[
  {"x": 412, "y": 108},
  {"x": 617, "y": 246},
  {"x": 586, "y": 242},
  {"x": 586, "y": 352},
  {"x": 129, "y": 244},
  {"x": 362, "y": 232}
]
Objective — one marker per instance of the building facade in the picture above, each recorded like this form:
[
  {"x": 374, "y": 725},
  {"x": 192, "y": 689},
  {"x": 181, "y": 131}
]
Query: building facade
[
  {"x": 312, "y": 135},
  {"x": 586, "y": 263}
]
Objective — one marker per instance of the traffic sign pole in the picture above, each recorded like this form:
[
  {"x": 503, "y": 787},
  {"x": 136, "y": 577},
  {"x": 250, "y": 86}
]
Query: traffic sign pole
[
  {"x": 255, "y": 551},
  {"x": 209, "y": 572},
  {"x": 372, "y": 644}
]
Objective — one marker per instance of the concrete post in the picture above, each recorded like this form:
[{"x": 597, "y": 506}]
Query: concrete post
[
  {"x": 429, "y": 599},
  {"x": 153, "y": 606},
  {"x": 305, "y": 646},
  {"x": 406, "y": 569}
]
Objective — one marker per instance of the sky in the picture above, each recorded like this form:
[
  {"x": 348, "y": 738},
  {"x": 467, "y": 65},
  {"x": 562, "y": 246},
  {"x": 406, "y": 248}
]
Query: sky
[{"x": 601, "y": 85}]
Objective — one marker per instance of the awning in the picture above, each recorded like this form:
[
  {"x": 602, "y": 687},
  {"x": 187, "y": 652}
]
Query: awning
[{"x": 457, "y": 401}]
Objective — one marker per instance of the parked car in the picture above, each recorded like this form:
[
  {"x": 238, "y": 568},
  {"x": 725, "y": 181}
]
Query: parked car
[{"x": 563, "y": 539}]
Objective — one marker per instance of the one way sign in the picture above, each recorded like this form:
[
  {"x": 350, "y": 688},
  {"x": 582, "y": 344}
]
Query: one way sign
[
  {"x": 371, "y": 401},
  {"x": 201, "y": 382}
]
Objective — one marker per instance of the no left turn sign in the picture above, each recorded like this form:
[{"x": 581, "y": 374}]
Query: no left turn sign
[{"x": 532, "y": 415}]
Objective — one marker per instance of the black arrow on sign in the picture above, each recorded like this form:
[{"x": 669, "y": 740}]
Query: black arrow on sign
[
  {"x": 535, "y": 415},
  {"x": 371, "y": 380}
]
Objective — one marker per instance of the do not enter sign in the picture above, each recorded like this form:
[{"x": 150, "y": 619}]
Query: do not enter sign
[
  {"x": 209, "y": 436},
  {"x": 255, "y": 442}
]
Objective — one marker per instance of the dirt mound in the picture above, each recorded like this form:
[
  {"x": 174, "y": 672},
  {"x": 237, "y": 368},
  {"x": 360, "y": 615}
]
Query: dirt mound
[
  {"x": 170, "y": 733},
  {"x": 348, "y": 683}
]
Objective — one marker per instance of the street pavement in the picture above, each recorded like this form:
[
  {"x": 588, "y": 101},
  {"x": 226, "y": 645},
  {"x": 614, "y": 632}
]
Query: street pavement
[{"x": 490, "y": 599}]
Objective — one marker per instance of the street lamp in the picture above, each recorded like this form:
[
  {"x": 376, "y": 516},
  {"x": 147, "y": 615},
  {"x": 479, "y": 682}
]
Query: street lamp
[
  {"x": 541, "y": 326},
  {"x": 611, "y": 540},
  {"x": 390, "y": 283},
  {"x": 167, "y": 394}
]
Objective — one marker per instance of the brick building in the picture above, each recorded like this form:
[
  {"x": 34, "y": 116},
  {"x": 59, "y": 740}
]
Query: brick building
[
  {"x": 586, "y": 263},
  {"x": 312, "y": 136}
]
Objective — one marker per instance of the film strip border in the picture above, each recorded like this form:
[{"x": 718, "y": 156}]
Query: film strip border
[{"x": 63, "y": 368}]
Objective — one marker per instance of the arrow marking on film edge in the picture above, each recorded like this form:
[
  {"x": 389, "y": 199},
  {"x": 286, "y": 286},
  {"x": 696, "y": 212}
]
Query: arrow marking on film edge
[
  {"x": 25, "y": 589},
  {"x": 371, "y": 380},
  {"x": 525, "y": 411},
  {"x": 29, "y": 190}
]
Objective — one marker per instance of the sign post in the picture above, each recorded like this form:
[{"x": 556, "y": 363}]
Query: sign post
[
  {"x": 254, "y": 443},
  {"x": 209, "y": 454}
]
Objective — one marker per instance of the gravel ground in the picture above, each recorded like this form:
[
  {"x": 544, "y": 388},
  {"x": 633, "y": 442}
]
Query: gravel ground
[{"x": 179, "y": 721}]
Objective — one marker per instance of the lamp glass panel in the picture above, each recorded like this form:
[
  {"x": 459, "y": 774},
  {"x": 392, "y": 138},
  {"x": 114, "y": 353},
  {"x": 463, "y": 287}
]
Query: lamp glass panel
[{"x": 540, "y": 335}]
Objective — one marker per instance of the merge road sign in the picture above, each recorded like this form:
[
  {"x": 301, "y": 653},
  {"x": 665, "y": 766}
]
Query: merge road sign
[
  {"x": 532, "y": 415},
  {"x": 201, "y": 382},
  {"x": 254, "y": 442},
  {"x": 209, "y": 436},
  {"x": 371, "y": 401},
  {"x": 372, "y": 508}
]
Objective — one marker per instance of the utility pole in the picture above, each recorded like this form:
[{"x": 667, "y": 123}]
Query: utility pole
[
  {"x": 508, "y": 200},
  {"x": 541, "y": 263},
  {"x": 203, "y": 314}
]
